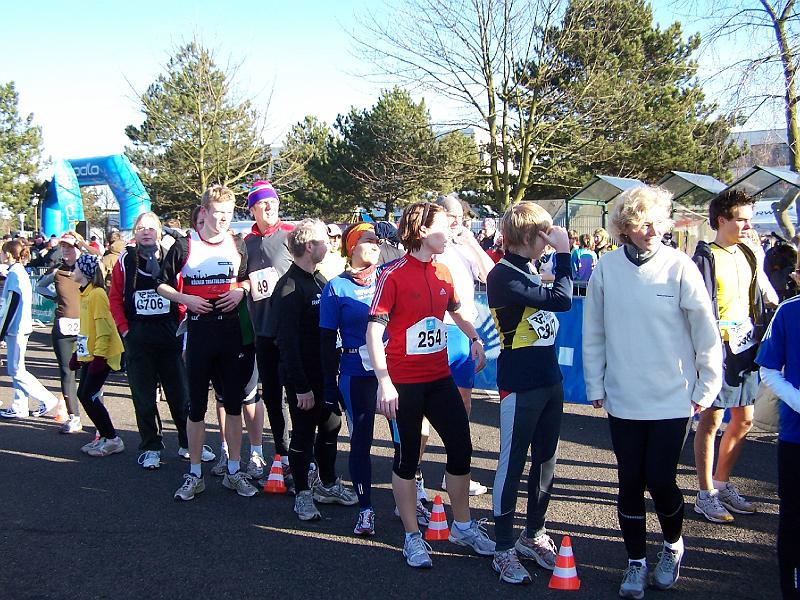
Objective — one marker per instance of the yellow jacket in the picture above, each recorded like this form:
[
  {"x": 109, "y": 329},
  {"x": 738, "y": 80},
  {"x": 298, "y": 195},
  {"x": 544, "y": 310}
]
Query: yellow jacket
[{"x": 98, "y": 331}]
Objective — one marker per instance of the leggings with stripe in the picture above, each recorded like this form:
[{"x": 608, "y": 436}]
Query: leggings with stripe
[
  {"x": 529, "y": 421},
  {"x": 647, "y": 457},
  {"x": 359, "y": 395}
]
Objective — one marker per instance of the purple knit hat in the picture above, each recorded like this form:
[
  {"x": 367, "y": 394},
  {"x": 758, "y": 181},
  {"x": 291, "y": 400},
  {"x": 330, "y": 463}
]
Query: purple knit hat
[{"x": 261, "y": 190}]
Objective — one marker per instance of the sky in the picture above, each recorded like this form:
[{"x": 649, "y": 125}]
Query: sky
[{"x": 79, "y": 65}]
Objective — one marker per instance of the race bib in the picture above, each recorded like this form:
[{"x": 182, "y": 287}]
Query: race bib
[
  {"x": 69, "y": 326},
  {"x": 82, "y": 346},
  {"x": 545, "y": 324},
  {"x": 426, "y": 336},
  {"x": 262, "y": 283},
  {"x": 366, "y": 362},
  {"x": 740, "y": 337},
  {"x": 149, "y": 302}
]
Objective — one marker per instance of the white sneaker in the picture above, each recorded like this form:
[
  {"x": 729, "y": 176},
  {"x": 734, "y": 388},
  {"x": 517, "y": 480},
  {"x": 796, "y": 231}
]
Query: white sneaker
[
  {"x": 107, "y": 447},
  {"x": 150, "y": 459},
  {"x": 255, "y": 468},
  {"x": 475, "y": 488},
  {"x": 421, "y": 495},
  {"x": 474, "y": 537},
  {"x": 207, "y": 455}
]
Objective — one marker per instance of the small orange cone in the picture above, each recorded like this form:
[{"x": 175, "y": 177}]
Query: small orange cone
[
  {"x": 437, "y": 528},
  {"x": 565, "y": 576},
  {"x": 275, "y": 483}
]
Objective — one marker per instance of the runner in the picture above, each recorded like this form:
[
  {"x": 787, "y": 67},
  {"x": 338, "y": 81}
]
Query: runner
[
  {"x": 16, "y": 326},
  {"x": 779, "y": 357},
  {"x": 650, "y": 383},
  {"x": 295, "y": 319},
  {"x": 729, "y": 269},
  {"x": 212, "y": 267},
  {"x": 529, "y": 380},
  {"x": 147, "y": 323},
  {"x": 414, "y": 380},
  {"x": 98, "y": 351},
  {"x": 60, "y": 286},
  {"x": 267, "y": 259},
  {"x": 334, "y": 262}
]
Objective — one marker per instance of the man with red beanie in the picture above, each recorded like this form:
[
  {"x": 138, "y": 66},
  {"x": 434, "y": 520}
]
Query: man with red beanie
[{"x": 267, "y": 259}]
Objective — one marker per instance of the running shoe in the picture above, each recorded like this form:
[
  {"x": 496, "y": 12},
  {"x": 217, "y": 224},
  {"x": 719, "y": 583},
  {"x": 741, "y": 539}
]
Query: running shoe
[
  {"x": 416, "y": 550},
  {"x": 711, "y": 508},
  {"x": 668, "y": 568},
  {"x": 507, "y": 564},
  {"x": 475, "y": 488},
  {"x": 335, "y": 494},
  {"x": 474, "y": 537},
  {"x": 313, "y": 476},
  {"x": 542, "y": 549},
  {"x": 288, "y": 479},
  {"x": 86, "y": 447},
  {"x": 240, "y": 483},
  {"x": 107, "y": 447},
  {"x": 192, "y": 485},
  {"x": 423, "y": 514},
  {"x": 10, "y": 413},
  {"x": 420, "y": 482},
  {"x": 219, "y": 469},
  {"x": 365, "y": 525},
  {"x": 150, "y": 459},
  {"x": 256, "y": 465},
  {"x": 43, "y": 409},
  {"x": 731, "y": 499},
  {"x": 71, "y": 425},
  {"x": 207, "y": 456},
  {"x": 634, "y": 580},
  {"x": 305, "y": 508}
]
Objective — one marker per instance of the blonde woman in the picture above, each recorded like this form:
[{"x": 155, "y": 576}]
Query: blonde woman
[
  {"x": 652, "y": 358},
  {"x": 602, "y": 242}
]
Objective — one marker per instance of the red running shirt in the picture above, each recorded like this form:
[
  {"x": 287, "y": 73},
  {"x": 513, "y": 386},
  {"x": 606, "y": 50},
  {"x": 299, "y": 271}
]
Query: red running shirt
[{"x": 413, "y": 296}]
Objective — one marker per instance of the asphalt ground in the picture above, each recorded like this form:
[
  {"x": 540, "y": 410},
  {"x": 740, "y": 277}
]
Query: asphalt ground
[{"x": 74, "y": 526}]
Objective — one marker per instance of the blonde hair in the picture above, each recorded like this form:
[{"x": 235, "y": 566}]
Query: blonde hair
[
  {"x": 415, "y": 216},
  {"x": 605, "y": 238},
  {"x": 216, "y": 193},
  {"x": 638, "y": 205},
  {"x": 150, "y": 215},
  {"x": 522, "y": 222},
  {"x": 302, "y": 233}
]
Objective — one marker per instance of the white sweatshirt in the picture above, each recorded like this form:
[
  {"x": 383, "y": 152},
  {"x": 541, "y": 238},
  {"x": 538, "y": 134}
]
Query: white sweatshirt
[{"x": 648, "y": 331}]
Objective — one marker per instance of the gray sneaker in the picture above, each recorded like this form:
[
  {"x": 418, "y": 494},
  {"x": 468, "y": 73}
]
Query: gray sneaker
[
  {"x": 423, "y": 514},
  {"x": 255, "y": 467},
  {"x": 542, "y": 549},
  {"x": 507, "y": 564},
  {"x": 240, "y": 483},
  {"x": 192, "y": 485},
  {"x": 667, "y": 569},
  {"x": 221, "y": 468},
  {"x": 475, "y": 537},
  {"x": 416, "y": 552},
  {"x": 304, "y": 507},
  {"x": 711, "y": 508},
  {"x": 731, "y": 499},
  {"x": 634, "y": 580},
  {"x": 313, "y": 476},
  {"x": 91, "y": 445},
  {"x": 107, "y": 447},
  {"x": 335, "y": 494},
  {"x": 287, "y": 477},
  {"x": 71, "y": 425}
]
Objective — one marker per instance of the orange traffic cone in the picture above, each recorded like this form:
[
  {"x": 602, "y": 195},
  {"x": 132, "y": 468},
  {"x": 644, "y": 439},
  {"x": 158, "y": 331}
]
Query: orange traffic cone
[
  {"x": 275, "y": 483},
  {"x": 437, "y": 528},
  {"x": 565, "y": 576}
]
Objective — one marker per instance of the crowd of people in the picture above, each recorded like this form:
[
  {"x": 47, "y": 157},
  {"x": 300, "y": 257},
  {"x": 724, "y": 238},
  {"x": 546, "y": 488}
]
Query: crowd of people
[{"x": 377, "y": 320}]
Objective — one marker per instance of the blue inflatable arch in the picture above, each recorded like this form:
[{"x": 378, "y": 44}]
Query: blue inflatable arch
[{"x": 63, "y": 206}]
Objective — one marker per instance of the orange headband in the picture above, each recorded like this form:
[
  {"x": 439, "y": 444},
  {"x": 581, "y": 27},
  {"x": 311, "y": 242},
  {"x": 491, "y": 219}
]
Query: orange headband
[{"x": 353, "y": 236}]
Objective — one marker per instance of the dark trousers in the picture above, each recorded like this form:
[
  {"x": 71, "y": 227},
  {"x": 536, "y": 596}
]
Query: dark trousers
[
  {"x": 789, "y": 519},
  {"x": 155, "y": 356},
  {"x": 314, "y": 433},
  {"x": 63, "y": 346},
  {"x": 529, "y": 421},
  {"x": 647, "y": 457},
  {"x": 268, "y": 357},
  {"x": 90, "y": 393},
  {"x": 359, "y": 395}
]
